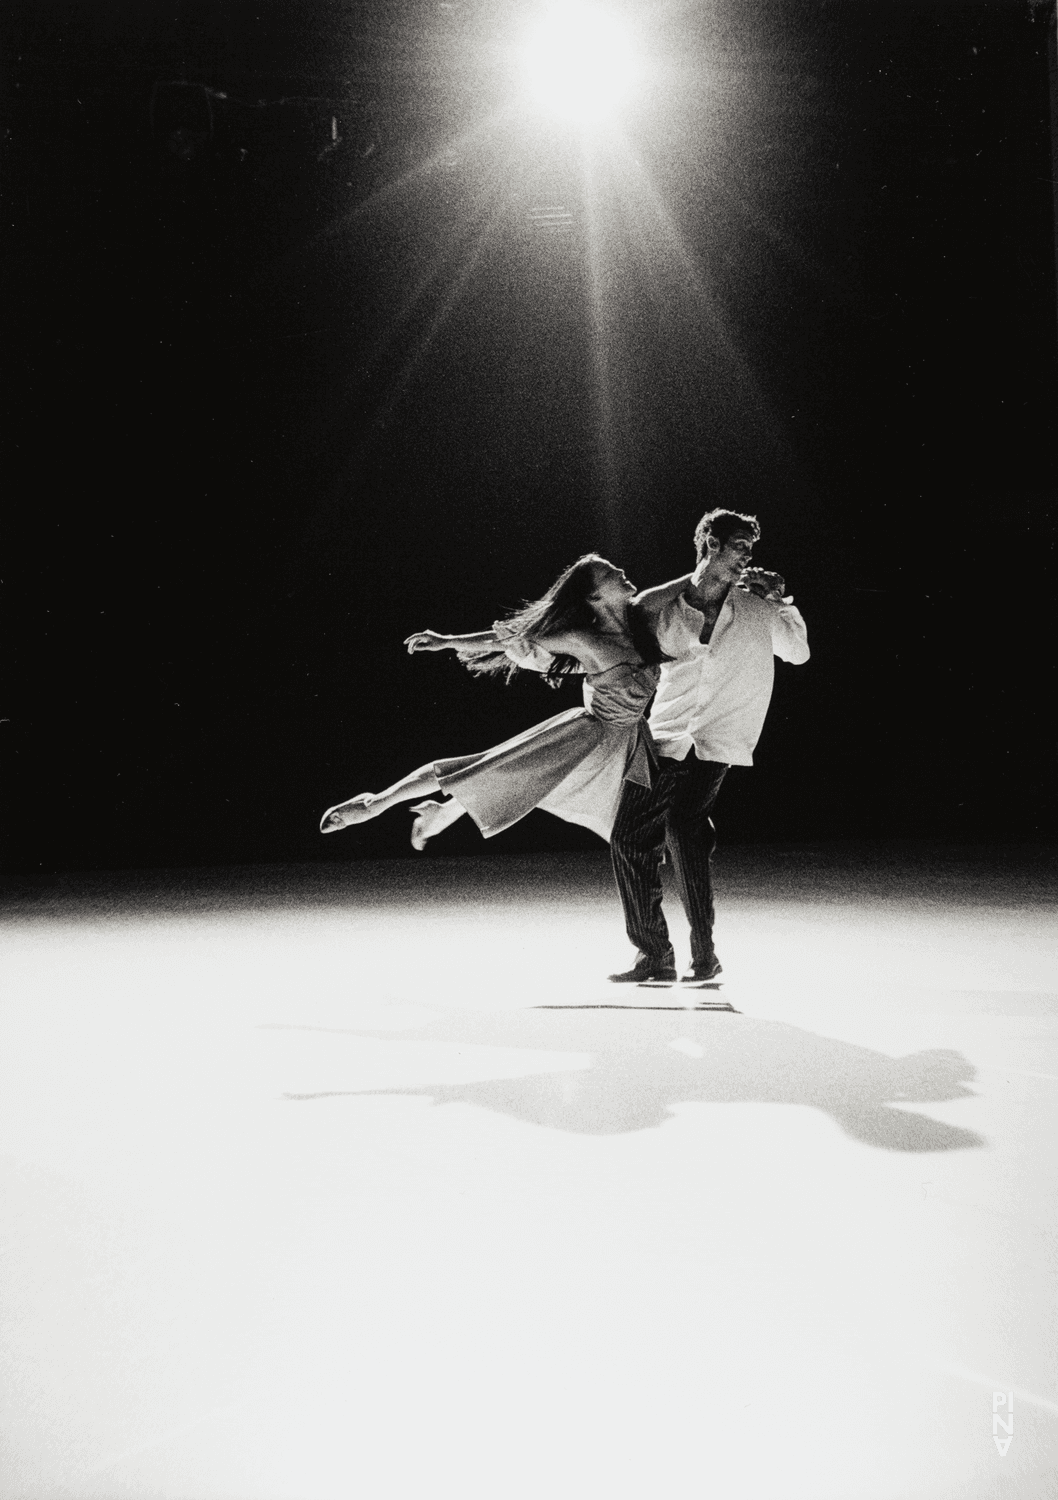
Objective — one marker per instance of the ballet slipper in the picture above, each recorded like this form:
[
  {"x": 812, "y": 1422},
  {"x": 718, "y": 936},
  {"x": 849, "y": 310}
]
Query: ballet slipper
[
  {"x": 419, "y": 831},
  {"x": 346, "y": 814}
]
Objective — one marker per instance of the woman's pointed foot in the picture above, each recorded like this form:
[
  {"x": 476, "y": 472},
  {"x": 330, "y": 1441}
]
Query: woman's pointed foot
[
  {"x": 425, "y": 822},
  {"x": 345, "y": 814}
]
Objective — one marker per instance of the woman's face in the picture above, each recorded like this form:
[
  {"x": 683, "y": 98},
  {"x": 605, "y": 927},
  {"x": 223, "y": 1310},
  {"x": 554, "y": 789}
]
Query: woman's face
[{"x": 611, "y": 586}]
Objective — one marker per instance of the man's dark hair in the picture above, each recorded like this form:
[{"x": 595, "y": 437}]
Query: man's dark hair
[{"x": 722, "y": 525}]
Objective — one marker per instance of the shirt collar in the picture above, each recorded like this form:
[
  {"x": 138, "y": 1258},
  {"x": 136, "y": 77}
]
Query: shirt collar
[{"x": 694, "y": 580}]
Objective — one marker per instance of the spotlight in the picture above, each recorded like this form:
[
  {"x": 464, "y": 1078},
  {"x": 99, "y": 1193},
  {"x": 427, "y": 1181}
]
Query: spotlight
[{"x": 578, "y": 63}]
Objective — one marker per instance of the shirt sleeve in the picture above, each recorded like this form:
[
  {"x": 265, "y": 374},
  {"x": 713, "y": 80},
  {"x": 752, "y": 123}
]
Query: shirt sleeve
[
  {"x": 789, "y": 634},
  {"x": 677, "y": 630}
]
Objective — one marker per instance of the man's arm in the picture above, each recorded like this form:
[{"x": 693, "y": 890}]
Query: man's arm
[
  {"x": 789, "y": 634},
  {"x": 655, "y": 606},
  {"x": 654, "y": 601}
]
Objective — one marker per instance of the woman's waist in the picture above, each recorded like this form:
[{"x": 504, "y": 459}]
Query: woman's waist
[
  {"x": 613, "y": 716},
  {"x": 616, "y": 708}
]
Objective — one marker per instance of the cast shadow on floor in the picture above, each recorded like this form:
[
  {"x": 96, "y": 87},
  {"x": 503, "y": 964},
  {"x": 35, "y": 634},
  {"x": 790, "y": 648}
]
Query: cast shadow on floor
[{"x": 637, "y": 1077}]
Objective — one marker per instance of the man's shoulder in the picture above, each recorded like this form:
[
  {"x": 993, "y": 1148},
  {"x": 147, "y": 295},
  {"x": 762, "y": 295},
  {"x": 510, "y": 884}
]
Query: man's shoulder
[{"x": 653, "y": 601}]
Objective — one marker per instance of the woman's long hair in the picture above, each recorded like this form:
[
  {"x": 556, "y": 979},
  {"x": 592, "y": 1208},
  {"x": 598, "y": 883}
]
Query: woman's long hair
[{"x": 564, "y": 607}]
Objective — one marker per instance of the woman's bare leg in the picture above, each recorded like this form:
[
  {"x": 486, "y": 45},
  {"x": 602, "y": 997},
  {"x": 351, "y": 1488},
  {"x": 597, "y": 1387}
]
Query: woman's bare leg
[
  {"x": 433, "y": 818},
  {"x": 369, "y": 804}
]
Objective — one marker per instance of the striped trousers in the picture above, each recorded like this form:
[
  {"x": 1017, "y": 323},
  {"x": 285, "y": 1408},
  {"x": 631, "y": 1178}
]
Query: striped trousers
[{"x": 673, "y": 813}]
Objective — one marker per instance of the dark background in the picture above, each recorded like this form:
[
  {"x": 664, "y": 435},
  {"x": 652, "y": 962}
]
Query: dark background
[{"x": 300, "y": 367}]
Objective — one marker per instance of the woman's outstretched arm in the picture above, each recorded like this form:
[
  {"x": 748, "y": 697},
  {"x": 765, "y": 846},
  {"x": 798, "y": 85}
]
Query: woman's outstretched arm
[
  {"x": 430, "y": 640},
  {"x": 484, "y": 650}
]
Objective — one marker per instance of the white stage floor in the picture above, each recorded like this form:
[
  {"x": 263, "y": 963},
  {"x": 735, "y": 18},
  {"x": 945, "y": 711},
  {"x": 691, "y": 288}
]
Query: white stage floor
[{"x": 307, "y": 1198}]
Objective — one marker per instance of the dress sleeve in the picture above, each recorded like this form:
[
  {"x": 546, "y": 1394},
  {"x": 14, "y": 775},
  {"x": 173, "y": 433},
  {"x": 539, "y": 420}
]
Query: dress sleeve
[
  {"x": 789, "y": 634},
  {"x": 522, "y": 651}
]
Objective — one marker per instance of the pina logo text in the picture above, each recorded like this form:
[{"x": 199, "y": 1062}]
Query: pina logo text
[{"x": 999, "y": 1420}]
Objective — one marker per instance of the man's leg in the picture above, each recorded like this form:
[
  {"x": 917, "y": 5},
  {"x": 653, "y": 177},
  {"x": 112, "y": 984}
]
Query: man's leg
[
  {"x": 637, "y": 845},
  {"x": 691, "y": 841}
]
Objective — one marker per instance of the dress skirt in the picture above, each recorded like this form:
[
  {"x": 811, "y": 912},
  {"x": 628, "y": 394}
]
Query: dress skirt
[{"x": 573, "y": 765}]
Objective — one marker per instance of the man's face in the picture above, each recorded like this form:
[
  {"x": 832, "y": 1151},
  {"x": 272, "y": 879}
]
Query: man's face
[{"x": 728, "y": 560}]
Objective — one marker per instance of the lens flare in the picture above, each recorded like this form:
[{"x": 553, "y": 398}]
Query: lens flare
[{"x": 578, "y": 63}]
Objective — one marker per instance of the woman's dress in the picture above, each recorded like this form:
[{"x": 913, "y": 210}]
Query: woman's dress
[{"x": 573, "y": 765}]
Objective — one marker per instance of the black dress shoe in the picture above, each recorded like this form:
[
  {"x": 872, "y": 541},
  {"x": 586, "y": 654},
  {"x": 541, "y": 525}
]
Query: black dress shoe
[
  {"x": 701, "y": 973},
  {"x": 645, "y": 969}
]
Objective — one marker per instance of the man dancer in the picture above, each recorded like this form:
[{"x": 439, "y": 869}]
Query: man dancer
[{"x": 721, "y": 625}]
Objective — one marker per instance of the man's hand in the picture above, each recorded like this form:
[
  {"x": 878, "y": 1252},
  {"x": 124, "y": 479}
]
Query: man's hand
[
  {"x": 770, "y": 586},
  {"x": 427, "y": 640}
]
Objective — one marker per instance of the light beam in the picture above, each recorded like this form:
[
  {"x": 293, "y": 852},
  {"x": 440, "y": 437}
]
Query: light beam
[{"x": 577, "y": 63}]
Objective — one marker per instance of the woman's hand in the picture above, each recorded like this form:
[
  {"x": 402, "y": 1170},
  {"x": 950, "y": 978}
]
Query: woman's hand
[{"x": 427, "y": 640}]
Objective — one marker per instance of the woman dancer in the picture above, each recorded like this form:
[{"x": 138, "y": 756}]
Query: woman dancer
[{"x": 574, "y": 764}]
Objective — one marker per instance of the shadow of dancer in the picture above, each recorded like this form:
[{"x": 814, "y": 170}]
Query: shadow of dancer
[{"x": 636, "y": 1077}]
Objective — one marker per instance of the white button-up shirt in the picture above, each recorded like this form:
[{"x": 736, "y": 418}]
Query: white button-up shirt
[{"x": 713, "y": 696}]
